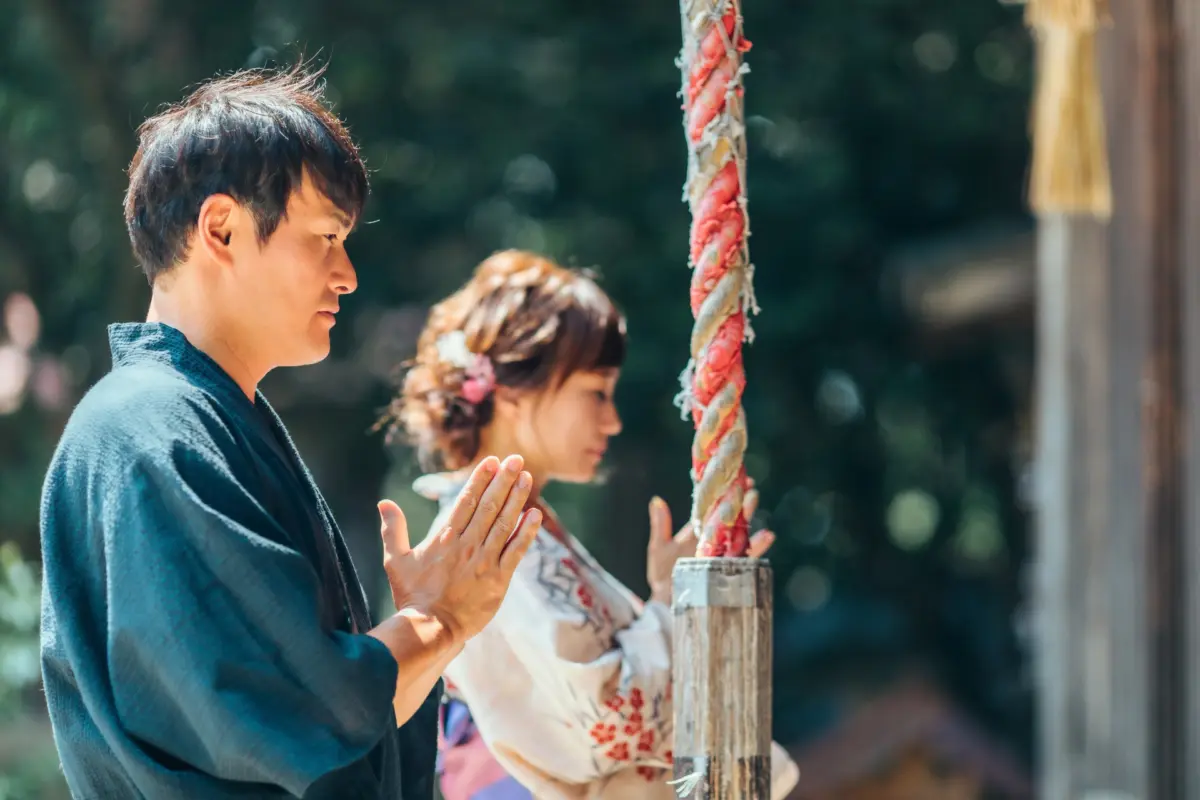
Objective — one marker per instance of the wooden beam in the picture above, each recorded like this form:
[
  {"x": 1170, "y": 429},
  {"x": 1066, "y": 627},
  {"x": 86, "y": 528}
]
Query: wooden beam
[
  {"x": 1187, "y": 38},
  {"x": 1161, "y": 190}
]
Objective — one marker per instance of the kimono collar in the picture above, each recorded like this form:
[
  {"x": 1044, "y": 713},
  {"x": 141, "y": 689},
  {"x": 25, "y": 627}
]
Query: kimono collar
[
  {"x": 444, "y": 487},
  {"x": 440, "y": 486},
  {"x": 131, "y": 342},
  {"x": 139, "y": 342}
]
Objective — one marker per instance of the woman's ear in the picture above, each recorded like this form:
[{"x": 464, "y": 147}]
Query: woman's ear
[{"x": 506, "y": 400}]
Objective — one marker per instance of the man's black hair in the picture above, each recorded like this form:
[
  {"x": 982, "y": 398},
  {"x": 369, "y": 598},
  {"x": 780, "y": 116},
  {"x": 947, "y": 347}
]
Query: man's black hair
[{"x": 252, "y": 135}]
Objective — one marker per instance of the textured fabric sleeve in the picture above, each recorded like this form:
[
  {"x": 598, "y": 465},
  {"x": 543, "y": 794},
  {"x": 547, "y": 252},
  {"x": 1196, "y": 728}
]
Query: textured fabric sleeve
[
  {"x": 784, "y": 772},
  {"x": 604, "y": 694},
  {"x": 603, "y": 700},
  {"x": 215, "y": 652}
]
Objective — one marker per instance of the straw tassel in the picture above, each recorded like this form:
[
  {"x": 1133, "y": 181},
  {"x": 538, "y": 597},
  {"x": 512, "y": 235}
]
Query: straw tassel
[
  {"x": 1070, "y": 172},
  {"x": 1079, "y": 15}
]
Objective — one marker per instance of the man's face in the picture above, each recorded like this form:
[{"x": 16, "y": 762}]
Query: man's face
[{"x": 288, "y": 289}]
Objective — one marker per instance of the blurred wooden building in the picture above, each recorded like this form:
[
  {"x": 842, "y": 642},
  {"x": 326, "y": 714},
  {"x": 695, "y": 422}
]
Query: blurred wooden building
[{"x": 908, "y": 743}]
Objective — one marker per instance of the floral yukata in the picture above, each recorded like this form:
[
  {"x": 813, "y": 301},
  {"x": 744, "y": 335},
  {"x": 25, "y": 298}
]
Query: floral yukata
[{"x": 570, "y": 684}]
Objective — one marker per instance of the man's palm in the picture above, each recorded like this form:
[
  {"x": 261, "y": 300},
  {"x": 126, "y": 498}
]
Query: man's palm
[{"x": 461, "y": 572}]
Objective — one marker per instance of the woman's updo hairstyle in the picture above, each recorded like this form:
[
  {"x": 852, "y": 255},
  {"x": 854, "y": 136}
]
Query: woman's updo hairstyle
[{"x": 521, "y": 321}]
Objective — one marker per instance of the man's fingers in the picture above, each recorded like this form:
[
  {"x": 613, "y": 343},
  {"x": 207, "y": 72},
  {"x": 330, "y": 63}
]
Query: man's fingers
[
  {"x": 749, "y": 504},
  {"x": 760, "y": 543},
  {"x": 685, "y": 534},
  {"x": 493, "y": 499},
  {"x": 506, "y": 521},
  {"x": 471, "y": 493},
  {"x": 393, "y": 527},
  {"x": 519, "y": 543},
  {"x": 660, "y": 521}
]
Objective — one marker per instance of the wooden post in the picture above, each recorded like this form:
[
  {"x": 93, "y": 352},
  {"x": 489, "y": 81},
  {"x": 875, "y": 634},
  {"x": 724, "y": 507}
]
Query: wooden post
[
  {"x": 1118, "y": 544},
  {"x": 722, "y": 601},
  {"x": 722, "y": 678}
]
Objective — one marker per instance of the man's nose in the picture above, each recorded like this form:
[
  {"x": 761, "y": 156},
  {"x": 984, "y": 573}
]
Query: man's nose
[{"x": 345, "y": 278}]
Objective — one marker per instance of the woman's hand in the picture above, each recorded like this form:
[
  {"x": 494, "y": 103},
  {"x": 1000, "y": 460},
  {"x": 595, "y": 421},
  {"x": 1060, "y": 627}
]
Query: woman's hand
[
  {"x": 761, "y": 541},
  {"x": 667, "y": 548}
]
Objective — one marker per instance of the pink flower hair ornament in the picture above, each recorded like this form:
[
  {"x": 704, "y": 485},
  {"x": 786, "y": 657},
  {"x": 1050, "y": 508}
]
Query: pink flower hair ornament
[{"x": 481, "y": 376}]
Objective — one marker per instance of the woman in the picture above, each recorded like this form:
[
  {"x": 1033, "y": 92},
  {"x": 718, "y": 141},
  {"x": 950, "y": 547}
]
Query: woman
[{"x": 570, "y": 685}]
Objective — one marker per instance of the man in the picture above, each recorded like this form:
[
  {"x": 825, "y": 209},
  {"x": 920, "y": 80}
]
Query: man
[{"x": 204, "y": 632}]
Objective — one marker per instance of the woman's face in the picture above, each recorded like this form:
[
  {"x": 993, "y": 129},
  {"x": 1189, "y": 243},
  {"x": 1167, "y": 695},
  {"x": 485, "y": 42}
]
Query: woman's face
[{"x": 563, "y": 432}]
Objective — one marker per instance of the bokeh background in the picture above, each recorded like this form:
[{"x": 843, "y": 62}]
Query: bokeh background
[{"x": 889, "y": 383}]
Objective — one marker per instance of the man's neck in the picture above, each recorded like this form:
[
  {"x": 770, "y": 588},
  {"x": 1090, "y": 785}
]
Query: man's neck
[{"x": 208, "y": 336}]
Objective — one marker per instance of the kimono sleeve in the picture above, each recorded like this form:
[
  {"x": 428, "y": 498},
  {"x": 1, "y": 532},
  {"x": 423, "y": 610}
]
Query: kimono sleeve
[
  {"x": 215, "y": 652},
  {"x": 604, "y": 695}
]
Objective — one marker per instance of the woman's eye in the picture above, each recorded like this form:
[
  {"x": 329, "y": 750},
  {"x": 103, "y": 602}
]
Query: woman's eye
[{"x": 332, "y": 237}]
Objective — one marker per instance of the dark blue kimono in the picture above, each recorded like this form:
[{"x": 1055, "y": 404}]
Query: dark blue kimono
[{"x": 203, "y": 629}]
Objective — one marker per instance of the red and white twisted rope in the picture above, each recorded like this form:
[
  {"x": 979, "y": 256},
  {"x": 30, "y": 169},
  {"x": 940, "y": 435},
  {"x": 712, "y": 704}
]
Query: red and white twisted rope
[{"x": 721, "y": 290}]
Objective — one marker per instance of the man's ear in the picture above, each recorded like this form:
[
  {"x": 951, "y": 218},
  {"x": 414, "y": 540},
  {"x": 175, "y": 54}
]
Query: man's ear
[{"x": 216, "y": 227}]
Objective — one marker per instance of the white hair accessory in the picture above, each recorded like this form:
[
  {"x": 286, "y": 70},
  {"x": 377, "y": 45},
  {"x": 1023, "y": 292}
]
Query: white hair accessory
[
  {"x": 481, "y": 377},
  {"x": 452, "y": 349}
]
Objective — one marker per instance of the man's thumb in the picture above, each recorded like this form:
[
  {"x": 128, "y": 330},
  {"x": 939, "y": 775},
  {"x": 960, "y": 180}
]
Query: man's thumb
[{"x": 393, "y": 527}]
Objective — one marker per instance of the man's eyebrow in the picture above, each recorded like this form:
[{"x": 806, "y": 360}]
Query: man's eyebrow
[{"x": 343, "y": 219}]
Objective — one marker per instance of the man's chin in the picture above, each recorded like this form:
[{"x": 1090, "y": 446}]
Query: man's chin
[{"x": 314, "y": 354}]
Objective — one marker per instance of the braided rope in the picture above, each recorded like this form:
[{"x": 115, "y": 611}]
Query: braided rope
[{"x": 721, "y": 292}]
